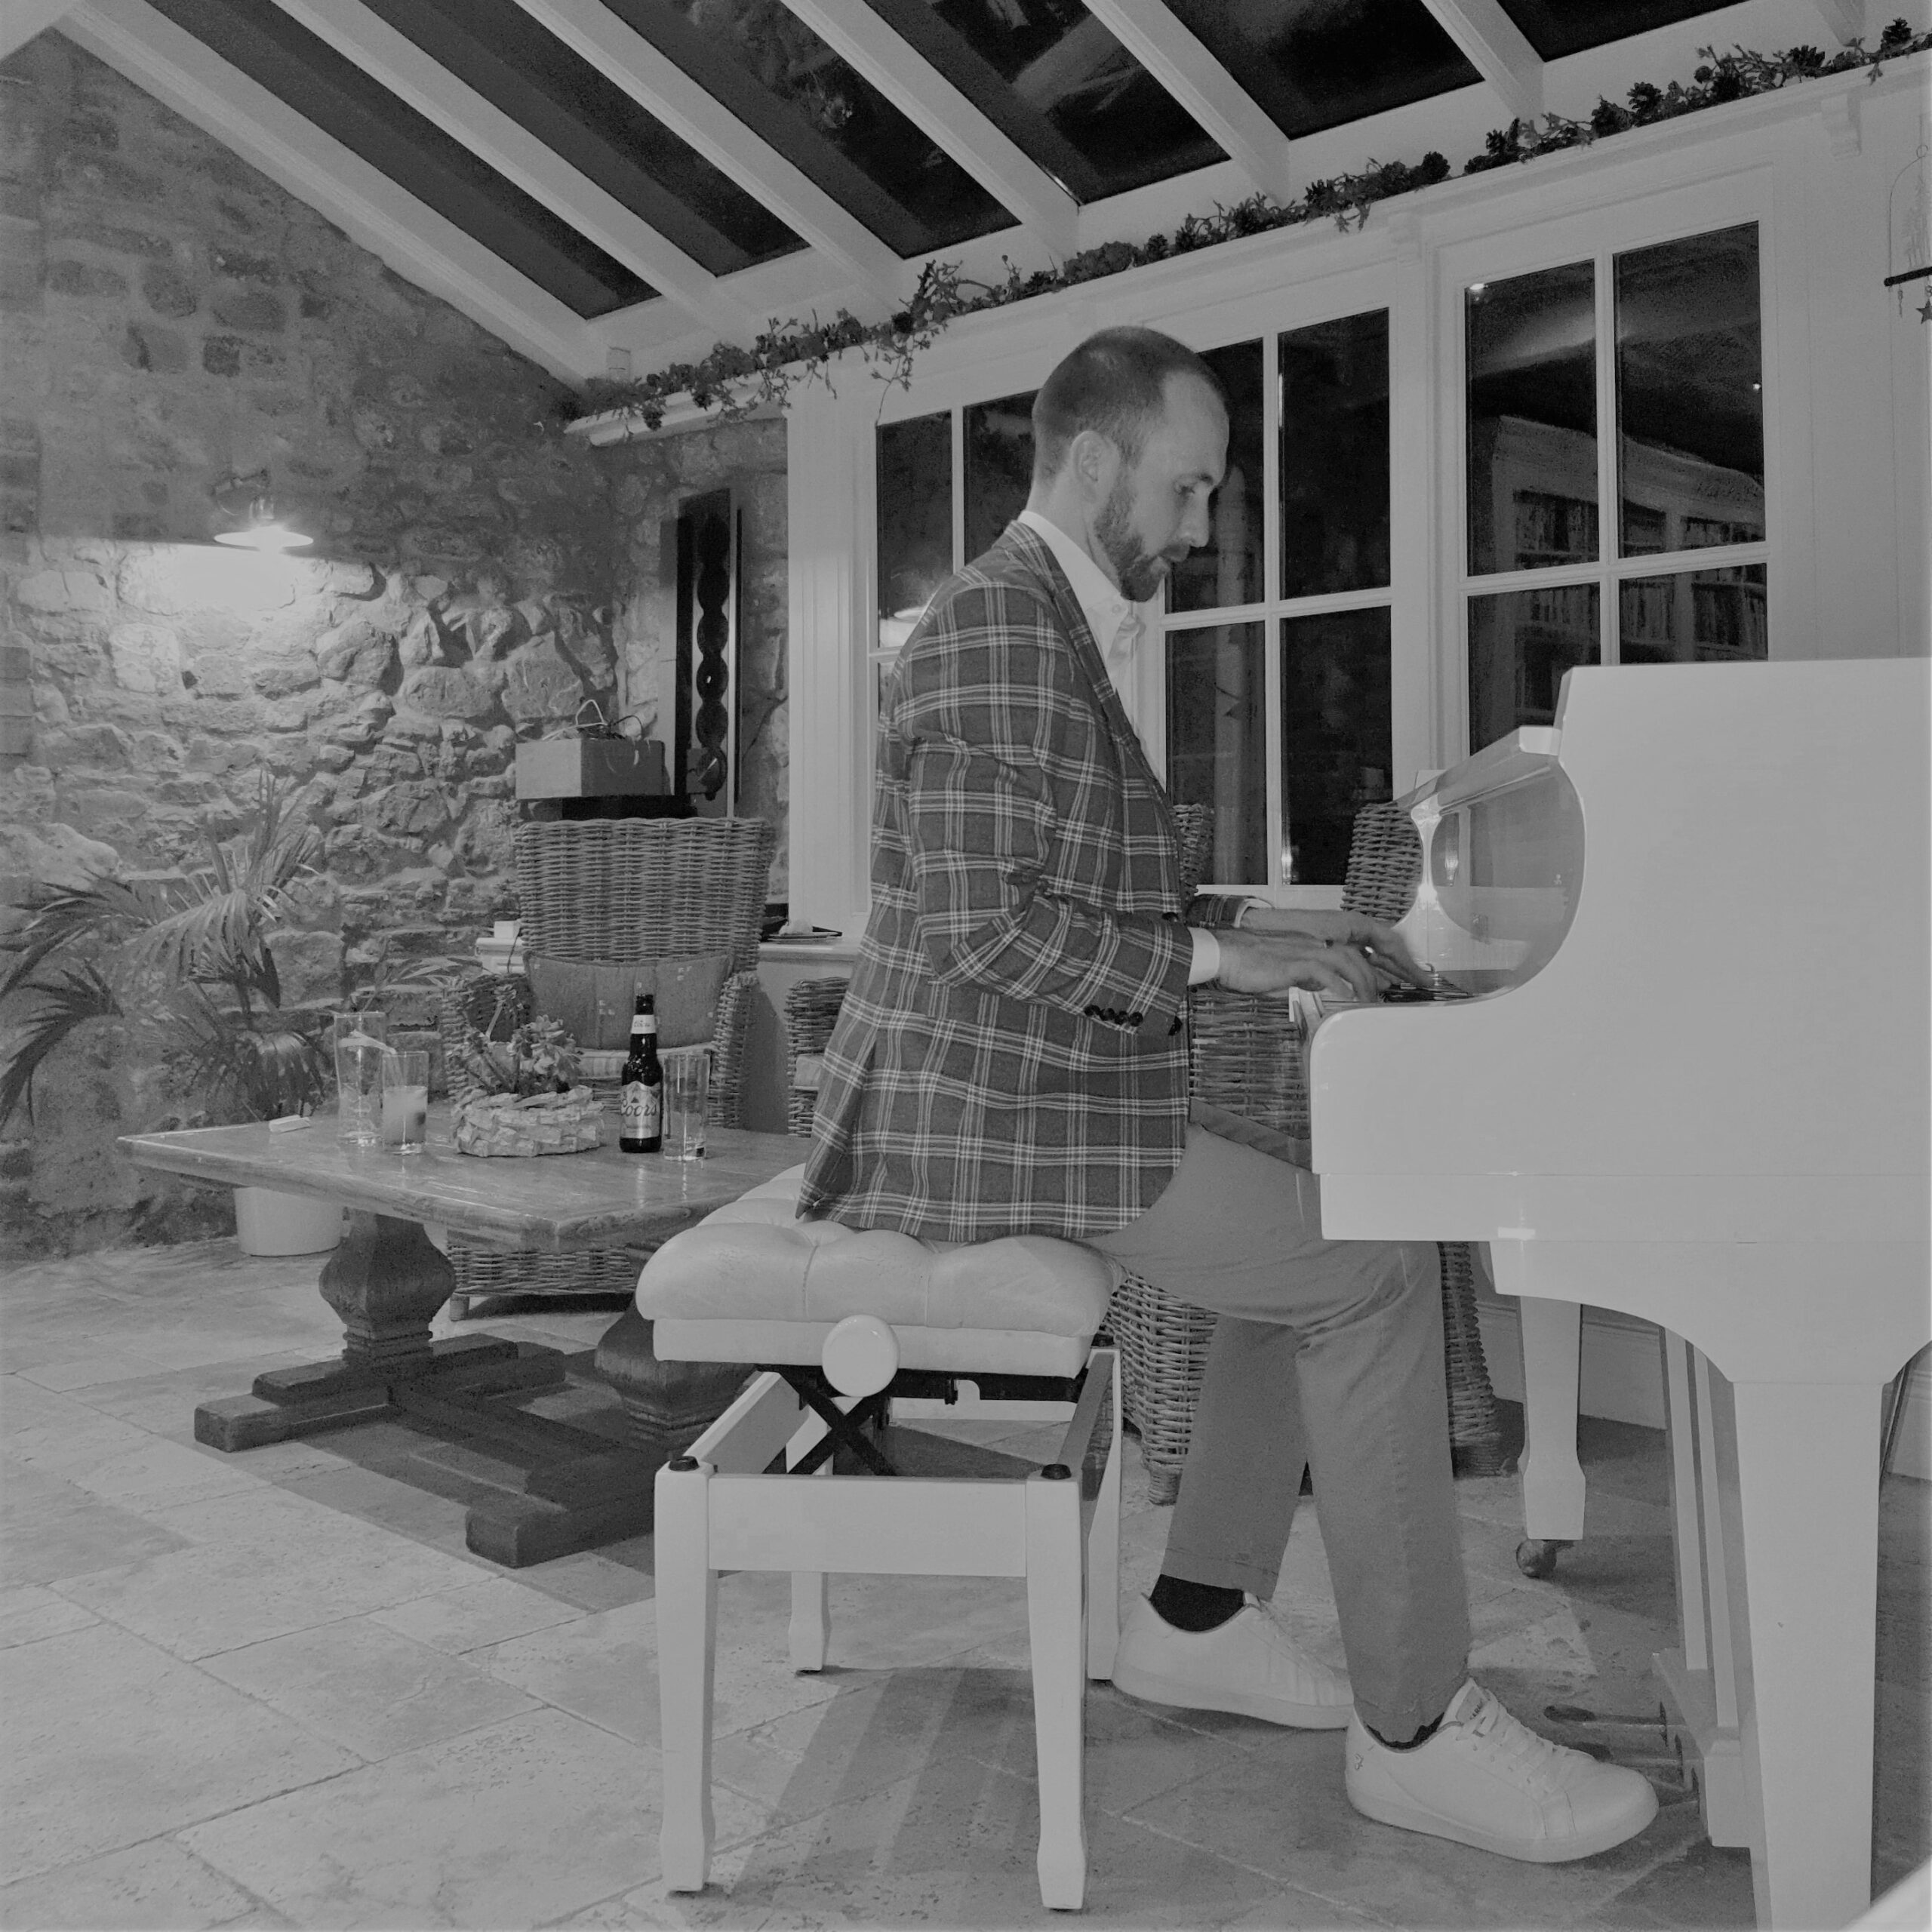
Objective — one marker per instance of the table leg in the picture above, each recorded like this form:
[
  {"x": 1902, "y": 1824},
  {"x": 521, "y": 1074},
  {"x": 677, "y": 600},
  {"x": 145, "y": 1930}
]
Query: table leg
[
  {"x": 386, "y": 1281},
  {"x": 1553, "y": 1485}
]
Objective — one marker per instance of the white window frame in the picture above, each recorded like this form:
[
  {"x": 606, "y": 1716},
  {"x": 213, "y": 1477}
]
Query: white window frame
[{"x": 1674, "y": 215}]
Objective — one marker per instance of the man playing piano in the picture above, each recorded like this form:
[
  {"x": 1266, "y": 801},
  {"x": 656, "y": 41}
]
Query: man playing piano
[{"x": 1011, "y": 1058}]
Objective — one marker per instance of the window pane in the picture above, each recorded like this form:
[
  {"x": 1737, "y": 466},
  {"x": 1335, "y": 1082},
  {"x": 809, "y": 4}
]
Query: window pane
[
  {"x": 1521, "y": 644},
  {"x": 1533, "y": 420},
  {"x": 1055, "y": 80},
  {"x": 999, "y": 467},
  {"x": 915, "y": 519},
  {"x": 1217, "y": 744},
  {"x": 1313, "y": 65},
  {"x": 1227, "y": 569},
  {"x": 1335, "y": 456},
  {"x": 1690, "y": 398},
  {"x": 766, "y": 66},
  {"x": 1336, "y": 745},
  {"x": 1693, "y": 617}
]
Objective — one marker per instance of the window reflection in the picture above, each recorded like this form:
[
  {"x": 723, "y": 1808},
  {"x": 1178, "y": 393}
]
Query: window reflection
[
  {"x": 999, "y": 467},
  {"x": 1313, "y": 64},
  {"x": 1533, "y": 420},
  {"x": 778, "y": 76},
  {"x": 1693, "y": 617},
  {"x": 1226, "y": 571},
  {"x": 915, "y": 484},
  {"x": 1337, "y": 745},
  {"x": 1217, "y": 744},
  {"x": 1335, "y": 456},
  {"x": 1521, "y": 644},
  {"x": 1689, "y": 371},
  {"x": 1055, "y": 80}
]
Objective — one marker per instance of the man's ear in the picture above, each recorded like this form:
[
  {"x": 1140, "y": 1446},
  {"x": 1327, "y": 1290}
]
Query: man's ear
[{"x": 1095, "y": 461}]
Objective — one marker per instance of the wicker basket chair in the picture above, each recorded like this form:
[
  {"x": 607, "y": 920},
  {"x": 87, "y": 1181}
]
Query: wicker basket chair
[
  {"x": 1247, "y": 1059},
  {"x": 622, "y": 889}
]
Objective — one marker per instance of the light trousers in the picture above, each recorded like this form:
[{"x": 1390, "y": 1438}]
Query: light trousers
[{"x": 1326, "y": 1353}]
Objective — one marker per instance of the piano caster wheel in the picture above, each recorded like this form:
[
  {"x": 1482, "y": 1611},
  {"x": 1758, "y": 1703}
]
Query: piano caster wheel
[{"x": 1536, "y": 1556}]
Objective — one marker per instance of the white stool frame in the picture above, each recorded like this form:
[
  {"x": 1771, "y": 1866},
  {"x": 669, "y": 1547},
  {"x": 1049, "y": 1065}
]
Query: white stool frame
[{"x": 717, "y": 1509}]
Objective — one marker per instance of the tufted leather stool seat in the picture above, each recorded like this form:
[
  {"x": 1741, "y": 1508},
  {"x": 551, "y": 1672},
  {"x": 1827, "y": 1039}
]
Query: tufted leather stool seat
[{"x": 847, "y": 1326}]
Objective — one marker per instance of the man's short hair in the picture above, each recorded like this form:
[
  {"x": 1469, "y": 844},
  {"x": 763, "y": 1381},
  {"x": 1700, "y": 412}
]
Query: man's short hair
[{"x": 1115, "y": 383}]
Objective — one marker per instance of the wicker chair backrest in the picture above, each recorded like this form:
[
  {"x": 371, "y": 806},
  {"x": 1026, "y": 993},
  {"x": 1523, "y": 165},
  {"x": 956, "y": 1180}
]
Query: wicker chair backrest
[
  {"x": 1385, "y": 863},
  {"x": 624, "y": 889}
]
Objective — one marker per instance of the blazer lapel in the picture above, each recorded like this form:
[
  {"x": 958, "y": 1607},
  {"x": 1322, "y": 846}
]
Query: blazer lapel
[{"x": 1087, "y": 654}]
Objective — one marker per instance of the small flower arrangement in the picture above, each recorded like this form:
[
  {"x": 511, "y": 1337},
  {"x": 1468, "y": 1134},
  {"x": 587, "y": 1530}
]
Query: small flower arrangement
[{"x": 539, "y": 1058}]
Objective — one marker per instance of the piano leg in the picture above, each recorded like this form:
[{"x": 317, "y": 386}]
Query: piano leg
[
  {"x": 1700, "y": 1680},
  {"x": 1798, "y": 1493},
  {"x": 1553, "y": 1488}
]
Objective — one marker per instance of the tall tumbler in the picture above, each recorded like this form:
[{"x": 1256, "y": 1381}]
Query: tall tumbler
[{"x": 361, "y": 1039}]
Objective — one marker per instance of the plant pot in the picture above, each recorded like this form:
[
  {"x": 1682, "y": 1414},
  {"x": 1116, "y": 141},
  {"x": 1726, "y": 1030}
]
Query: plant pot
[{"x": 267, "y": 1222}]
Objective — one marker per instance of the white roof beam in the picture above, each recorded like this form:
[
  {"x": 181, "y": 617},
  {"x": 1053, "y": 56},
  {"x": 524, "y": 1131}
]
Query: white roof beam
[
  {"x": 20, "y": 20},
  {"x": 1495, "y": 46},
  {"x": 945, "y": 115},
  {"x": 1157, "y": 39},
  {"x": 395, "y": 61},
  {"x": 418, "y": 243},
  {"x": 661, "y": 87}
]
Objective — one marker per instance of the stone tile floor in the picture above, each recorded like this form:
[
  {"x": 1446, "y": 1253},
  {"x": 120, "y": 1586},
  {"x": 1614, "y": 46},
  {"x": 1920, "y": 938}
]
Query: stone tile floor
[{"x": 274, "y": 1689}]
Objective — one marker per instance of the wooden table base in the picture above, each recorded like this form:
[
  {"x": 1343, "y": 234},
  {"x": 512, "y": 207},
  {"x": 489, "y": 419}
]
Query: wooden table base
[{"x": 556, "y": 1487}]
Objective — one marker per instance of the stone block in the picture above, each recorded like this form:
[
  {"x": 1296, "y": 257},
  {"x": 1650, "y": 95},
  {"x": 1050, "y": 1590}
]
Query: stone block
[
  {"x": 360, "y": 653},
  {"x": 221, "y": 355},
  {"x": 149, "y": 349},
  {"x": 438, "y": 691},
  {"x": 544, "y": 687},
  {"x": 88, "y": 280},
  {"x": 250, "y": 308},
  {"x": 168, "y": 291}
]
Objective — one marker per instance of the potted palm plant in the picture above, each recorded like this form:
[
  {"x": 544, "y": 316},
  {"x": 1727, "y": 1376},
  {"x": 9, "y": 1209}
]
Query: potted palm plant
[{"x": 186, "y": 962}]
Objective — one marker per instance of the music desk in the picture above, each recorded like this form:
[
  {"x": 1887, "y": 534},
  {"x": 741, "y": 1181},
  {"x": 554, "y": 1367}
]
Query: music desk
[{"x": 564, "y": 1487}]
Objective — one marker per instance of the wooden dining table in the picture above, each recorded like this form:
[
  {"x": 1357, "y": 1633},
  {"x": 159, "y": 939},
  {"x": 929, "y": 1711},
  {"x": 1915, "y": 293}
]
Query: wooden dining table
[{"x": 551, "y": 1485}]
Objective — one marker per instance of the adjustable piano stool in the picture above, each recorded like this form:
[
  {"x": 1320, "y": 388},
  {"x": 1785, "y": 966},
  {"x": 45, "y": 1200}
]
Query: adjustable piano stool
[{"x": 845, "y": 1326}]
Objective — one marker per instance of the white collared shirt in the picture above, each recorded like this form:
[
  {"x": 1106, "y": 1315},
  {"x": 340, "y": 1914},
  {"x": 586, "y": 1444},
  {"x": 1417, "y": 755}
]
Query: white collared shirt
[{"x": 1105, "y": 611}]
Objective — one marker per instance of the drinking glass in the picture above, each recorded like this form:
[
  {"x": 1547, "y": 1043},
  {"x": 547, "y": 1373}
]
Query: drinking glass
[
  {"x": 687, "y": 1090},
  {"x": 405, "y": 1100},
  {"x": 360, "y": 1041}
]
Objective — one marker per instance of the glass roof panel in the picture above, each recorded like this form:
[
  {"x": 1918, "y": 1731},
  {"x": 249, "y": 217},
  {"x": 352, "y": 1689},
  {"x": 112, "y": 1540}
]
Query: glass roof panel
[
  {"x": 1058, "y": 85},
  {"x": 1557, "y": 27},
  {"x": 1313, "y": 64},
  {"x": 496, "y": 47},
  {"x": 761, "y": 61},
  {"x": 320, "y": 85}
]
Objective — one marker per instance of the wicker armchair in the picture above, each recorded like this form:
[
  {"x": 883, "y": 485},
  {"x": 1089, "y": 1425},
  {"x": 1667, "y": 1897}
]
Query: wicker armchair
[
  {"x": 622, "y": 889},
  {"x": 1247, "y": 1059}
]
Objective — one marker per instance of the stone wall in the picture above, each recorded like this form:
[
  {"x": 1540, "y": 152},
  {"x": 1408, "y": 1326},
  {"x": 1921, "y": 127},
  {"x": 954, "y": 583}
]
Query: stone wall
[
  {"x": 169, "y": 317},
  {"x": 650, "y": 480}
]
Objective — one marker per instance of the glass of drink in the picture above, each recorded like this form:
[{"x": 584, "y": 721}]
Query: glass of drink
[
  {"x": 405, "y": 1125},
  {"x": 360, "y": 1041},
  {"x": 687, "y": 1091}
]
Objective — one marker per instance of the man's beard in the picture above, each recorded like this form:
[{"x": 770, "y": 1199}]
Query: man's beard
[{"x": 1141, "y": 573}]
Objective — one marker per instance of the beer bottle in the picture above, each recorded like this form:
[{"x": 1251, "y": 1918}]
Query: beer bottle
[{"x": 641, "y": 1098}]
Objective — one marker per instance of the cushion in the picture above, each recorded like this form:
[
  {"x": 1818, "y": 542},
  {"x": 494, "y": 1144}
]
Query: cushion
[
  {"x": 592, "y": 1000},
  {"x": 752, "y": 1283}
]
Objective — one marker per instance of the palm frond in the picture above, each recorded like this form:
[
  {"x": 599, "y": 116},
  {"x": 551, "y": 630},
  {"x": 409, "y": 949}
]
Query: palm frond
[
  {"x": 54, "y": 1007},
  {"x": 259, "y": 1070}
]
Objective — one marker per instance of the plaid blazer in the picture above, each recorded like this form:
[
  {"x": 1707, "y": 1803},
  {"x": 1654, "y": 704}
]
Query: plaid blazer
[{"x": 1012, "y": 1055}]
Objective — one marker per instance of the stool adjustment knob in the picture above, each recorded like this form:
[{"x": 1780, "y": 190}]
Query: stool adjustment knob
[{"x": 860, "y": 1355}]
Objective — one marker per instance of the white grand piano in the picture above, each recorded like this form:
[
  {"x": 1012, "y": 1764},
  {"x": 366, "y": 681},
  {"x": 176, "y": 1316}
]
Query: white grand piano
[{"x": 1689, "y": 1082}]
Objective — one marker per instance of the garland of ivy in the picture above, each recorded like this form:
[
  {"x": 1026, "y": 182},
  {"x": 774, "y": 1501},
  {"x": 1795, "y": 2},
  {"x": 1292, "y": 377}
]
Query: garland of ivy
[{"x": 732, "y": 382}]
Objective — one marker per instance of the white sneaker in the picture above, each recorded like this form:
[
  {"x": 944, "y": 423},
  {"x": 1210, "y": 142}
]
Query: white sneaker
[
  {"x": 1485, "y": 1779},
  {"x": 1246, "y": 1665}
]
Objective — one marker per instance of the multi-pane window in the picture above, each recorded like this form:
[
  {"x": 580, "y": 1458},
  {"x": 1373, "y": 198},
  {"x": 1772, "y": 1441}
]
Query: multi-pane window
[
  {"x": 1275, "y": 691},
  {"x": 1615, "y": 481}
]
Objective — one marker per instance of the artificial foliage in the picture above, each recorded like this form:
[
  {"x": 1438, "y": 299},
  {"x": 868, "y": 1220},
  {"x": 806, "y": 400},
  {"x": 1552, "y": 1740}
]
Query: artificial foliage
[{"x": 732, "y": 382}]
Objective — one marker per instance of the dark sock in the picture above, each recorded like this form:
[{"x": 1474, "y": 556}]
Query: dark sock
[
  {"x": 1195, "y": 1606},
  {"x": 1422, "y": 1736}
]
